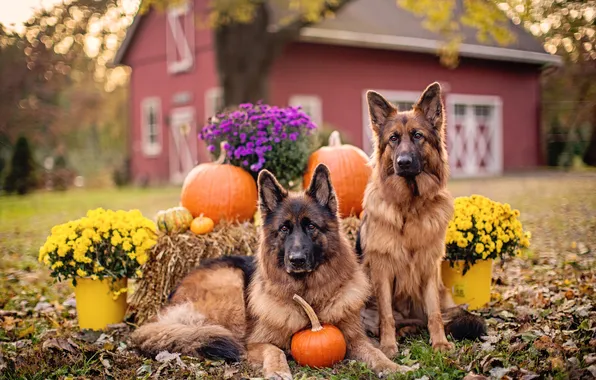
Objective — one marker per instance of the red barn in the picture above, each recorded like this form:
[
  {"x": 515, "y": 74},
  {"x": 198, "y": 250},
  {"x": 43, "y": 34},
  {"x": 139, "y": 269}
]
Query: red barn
[{"x": 492, "y": 98}]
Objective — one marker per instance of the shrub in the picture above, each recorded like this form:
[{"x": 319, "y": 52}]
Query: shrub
[
  {"x": 260, "y": 136},
  {"x": 21, "y": 176},
  {"x": 112, "y": 244},
  {"x": 121, "y": 175},
  {"x": 483, "y": 229}
]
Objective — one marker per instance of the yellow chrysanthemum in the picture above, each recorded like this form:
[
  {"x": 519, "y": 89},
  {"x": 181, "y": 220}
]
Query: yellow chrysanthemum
[{"x": 81, "y": 273}]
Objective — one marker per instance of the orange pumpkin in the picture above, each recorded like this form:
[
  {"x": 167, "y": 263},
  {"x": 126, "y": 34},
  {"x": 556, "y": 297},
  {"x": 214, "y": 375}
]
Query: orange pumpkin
[
  {"x": 220, "y": 191},
  {"x": 321, "y": 345},
  {"x": 349, "y": 172},
  {"x": 202, "y": 225}
]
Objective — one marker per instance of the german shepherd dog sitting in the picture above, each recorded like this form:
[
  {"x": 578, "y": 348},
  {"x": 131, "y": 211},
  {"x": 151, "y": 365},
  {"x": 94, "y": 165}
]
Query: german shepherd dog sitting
[
  {"x": 407, "y": 209},
  {"x": 234, "y": 307}
]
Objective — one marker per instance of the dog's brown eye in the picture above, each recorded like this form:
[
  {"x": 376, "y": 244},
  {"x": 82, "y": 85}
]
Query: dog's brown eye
[
  {"x": 418, "y": 135},
  {"x": 311, "y": 226},
  {"x": 284, "y": 229},
  {"x": 393, "y": 138}
]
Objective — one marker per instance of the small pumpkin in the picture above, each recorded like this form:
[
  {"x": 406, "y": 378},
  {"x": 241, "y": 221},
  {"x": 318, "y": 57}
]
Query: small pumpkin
[
  {"x": 349, "y": 170},
  {"x": 321, "y": 345},
  {"x": 220, "y": 191},
  {"x": 202, "y": 225},
  {"x": 174, "y": 220}
]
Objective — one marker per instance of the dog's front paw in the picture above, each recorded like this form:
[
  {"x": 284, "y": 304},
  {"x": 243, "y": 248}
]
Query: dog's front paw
[
  {"x": 391, "y": 367},
  {"x": 443, "y": 346},
  {"x": 279, "y": 376},
  {"x": 390, "y": 350}
]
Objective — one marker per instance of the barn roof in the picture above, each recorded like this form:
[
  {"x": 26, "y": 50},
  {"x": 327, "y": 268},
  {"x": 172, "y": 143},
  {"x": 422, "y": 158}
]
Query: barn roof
[{"x": 384, "y": 25}]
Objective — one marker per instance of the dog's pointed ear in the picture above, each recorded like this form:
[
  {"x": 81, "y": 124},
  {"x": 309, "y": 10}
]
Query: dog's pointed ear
[
  {"x": 271, "y": 193},
  {"x": 431, "y": 105},
  {"x": 321, "y": 189},
  {"x": 379, "y": 110}
]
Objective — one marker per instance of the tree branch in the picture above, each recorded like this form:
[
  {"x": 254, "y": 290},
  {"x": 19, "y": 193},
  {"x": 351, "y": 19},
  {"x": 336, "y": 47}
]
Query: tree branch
[{"x": 291, "y": 31}]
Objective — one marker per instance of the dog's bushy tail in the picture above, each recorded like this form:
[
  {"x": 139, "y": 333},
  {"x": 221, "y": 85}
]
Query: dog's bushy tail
[
  {"x": 181, "y": 329},
  {"x": 461, "y": 324}
]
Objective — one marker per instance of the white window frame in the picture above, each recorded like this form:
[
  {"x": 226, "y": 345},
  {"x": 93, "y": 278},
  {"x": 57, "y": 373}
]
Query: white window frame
[
  {"x": 151, "y": 149},
  {"x": 311, "y": 102},
  {"x": 481, "y": 100},
  {"x": 180, "y": 42},
  {"x": 212, "y": 96},
  {"x": 392, "y": 96}
]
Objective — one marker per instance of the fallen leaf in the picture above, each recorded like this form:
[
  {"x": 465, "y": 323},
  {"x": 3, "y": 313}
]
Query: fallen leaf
[
  {"x": 60, "y": 344},
  {"x": 499, "y": 372},
  {"x": 590, "y": 359},
  {"x": 592, "y": 369},
  {"x": 229, "y": 372},
  {"x": 165, "y": 357},
  {"x": 43, "y": 306},
  {"x": 26, "y": 332},
  {"x": 556, "y": 363},
  {"x": 569, "y": 294},
  {"x": 473, "y": 376}
]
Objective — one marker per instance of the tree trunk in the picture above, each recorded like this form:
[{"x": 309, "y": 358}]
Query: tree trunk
[
  {"x": 244, "y": 56},
  {"x": 590, "y": 154},
  {"x": 245, "y": 53}
]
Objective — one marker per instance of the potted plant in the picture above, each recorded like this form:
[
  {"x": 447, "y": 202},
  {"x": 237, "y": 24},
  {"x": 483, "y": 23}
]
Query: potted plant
[
  {"x": 99, "y": 252},
  {"x": 480, "y": 231},
  {"x": 260, "y": 136}
]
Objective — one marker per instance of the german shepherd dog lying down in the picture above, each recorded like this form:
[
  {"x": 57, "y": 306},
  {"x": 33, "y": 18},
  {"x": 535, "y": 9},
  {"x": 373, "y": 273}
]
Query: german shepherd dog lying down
[
  {"x": 234, "y": 308},
  {"x": 402, "y": 236}
]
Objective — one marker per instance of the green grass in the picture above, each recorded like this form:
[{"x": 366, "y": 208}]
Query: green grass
[
  {"x": 25, "y": 223},
  {"x": 559, "y": 210}
]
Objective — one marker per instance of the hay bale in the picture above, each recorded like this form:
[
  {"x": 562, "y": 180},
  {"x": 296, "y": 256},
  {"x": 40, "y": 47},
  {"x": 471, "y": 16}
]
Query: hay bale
[{"x": 173, "y": 257}]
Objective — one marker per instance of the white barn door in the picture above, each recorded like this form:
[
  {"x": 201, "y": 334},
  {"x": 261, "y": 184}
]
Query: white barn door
[
  {"x": 183, "y": 143},
  {"x": 474, "y": 135}
]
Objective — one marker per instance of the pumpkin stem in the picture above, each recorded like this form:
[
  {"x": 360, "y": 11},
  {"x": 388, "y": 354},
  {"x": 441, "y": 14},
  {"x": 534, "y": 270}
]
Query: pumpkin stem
[
  {"x": 314, "y": 320},
  {"x": 222, "y": 153},
  {"x": 334, "y": 139}
]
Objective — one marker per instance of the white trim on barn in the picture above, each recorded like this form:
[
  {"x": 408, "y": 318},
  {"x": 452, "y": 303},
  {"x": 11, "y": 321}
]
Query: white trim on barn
[
  {"x": 213, "y": 101},
  {"x": 474, "y": 135},
  {"x": 180, "y": 38},
  {"x": 312, "y": 105},
  {"x": 151, "y": 126}
]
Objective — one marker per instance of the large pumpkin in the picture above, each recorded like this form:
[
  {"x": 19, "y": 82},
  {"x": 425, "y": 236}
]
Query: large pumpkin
[
  {"x": 322, "y": 345},
  {"x": 220, "y": 191},
  {"x": 349, "y": 170}
]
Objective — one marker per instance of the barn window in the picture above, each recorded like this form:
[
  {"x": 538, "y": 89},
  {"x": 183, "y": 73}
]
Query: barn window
[
  {"x": 180, "y": 37},
  {"x": 311, "y": 105},
  {"x": 474, "y": 135},
  {"x": 214, "y": 102},
  {"x": 151, "y": 126}
]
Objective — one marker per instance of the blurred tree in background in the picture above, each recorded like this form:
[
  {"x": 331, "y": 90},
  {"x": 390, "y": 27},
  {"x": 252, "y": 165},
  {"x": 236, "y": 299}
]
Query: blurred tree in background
[
  {"x": 56, "y": 87},
  {"x": 569, "y": 93},
  {"x": 21, "y": 175}
]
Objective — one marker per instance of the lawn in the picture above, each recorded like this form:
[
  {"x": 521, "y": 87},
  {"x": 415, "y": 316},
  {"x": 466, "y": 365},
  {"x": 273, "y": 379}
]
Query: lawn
[{"x": 542, "y": 320}]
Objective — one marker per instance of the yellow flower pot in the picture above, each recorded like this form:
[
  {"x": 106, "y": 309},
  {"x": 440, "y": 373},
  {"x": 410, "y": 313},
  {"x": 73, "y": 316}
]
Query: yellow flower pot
[
  {"x": 96, "y": 306},
  {"x": 473, "y": 288}
]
